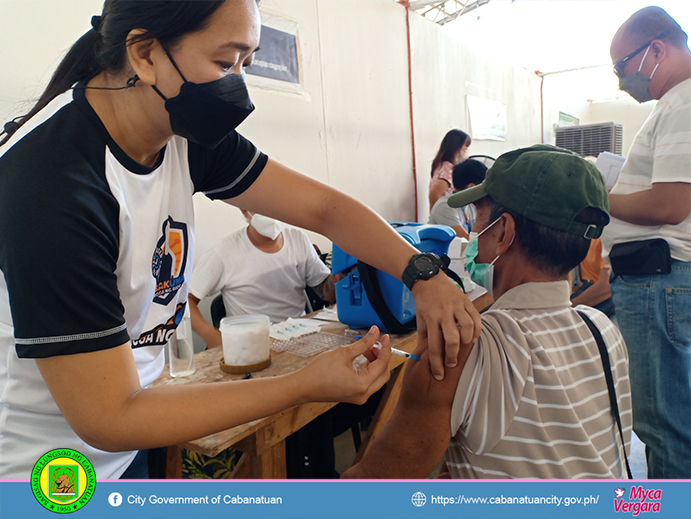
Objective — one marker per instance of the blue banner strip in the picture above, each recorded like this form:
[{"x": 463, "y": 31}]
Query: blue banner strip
[{"x": 366, "y": 499}]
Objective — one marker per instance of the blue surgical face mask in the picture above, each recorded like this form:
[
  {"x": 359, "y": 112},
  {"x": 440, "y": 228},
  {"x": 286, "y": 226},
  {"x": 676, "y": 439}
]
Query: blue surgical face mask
[
  {"x": 637, "y": 85},
  {"x": 481, "y": 273}
]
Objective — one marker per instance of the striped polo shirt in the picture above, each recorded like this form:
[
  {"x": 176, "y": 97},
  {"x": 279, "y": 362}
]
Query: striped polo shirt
[
  {"x": 532, "y": 401},
  {"x": 661, "y": 152}
]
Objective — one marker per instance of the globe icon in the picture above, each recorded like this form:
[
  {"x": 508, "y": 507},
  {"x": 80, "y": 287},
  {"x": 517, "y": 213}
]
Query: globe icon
[{"x": 419, "y": 499}]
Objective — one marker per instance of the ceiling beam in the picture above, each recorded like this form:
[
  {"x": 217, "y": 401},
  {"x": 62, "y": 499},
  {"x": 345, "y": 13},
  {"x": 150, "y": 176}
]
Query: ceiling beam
[
  {"x": 440, "y": 12},
  {"x": 465, "y": 10}
]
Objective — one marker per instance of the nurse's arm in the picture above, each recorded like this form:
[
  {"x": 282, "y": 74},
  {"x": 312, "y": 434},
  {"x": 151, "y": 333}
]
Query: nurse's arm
[
  {"x": 100, "y": 396},
  {"x": 284, "y": 194}
]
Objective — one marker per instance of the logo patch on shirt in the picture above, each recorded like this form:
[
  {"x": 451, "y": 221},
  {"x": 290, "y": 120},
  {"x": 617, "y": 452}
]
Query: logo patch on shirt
[
  {"x": 169, "y": 261},
  {"x": 160, "y": 335}
]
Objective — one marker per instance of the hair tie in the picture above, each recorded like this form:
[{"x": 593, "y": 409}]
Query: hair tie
[
  {"x": 96, "y": 22},
  {"x": 10, "y": 127}
]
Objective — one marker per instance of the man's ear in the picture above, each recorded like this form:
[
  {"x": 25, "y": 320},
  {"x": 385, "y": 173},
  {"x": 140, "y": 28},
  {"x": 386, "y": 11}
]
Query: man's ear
[
  {"x": 142, "y": 54},
  {"x": 506, "y": 237},
  {"x": 659, "y": 49}
]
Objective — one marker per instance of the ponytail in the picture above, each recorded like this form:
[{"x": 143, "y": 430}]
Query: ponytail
[
  {"x": 80, "y": 64},
  {"x": 104, "y": 47}
]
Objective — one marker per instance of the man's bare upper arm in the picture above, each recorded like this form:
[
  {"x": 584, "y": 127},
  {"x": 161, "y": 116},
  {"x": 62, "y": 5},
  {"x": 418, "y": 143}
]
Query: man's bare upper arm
[{"x": 418, "y": 432}]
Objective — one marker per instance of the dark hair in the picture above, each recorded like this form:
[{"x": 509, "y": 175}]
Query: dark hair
[
  {"x": 450, "y": 144},
  {"x": 103, "y": 48},
  {"x": 469, "y": 171},
  {"x": 653, "y": 22},
  {"x": 553, "y": 252}
]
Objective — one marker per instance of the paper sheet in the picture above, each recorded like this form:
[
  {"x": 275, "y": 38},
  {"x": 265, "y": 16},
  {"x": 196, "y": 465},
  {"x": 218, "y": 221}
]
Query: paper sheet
[
  {"x": 610, "y": 165},
  {"x": 327, "y": 314}
]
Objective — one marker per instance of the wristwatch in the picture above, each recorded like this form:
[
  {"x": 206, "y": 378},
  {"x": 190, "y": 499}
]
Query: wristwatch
[{"x": 424, "y": 265}]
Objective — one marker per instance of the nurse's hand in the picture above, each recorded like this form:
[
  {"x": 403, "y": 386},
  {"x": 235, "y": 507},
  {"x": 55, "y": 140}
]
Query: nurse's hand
[
  {"x": 446, "y": 318},
  {"x": 331, "y": 377}
]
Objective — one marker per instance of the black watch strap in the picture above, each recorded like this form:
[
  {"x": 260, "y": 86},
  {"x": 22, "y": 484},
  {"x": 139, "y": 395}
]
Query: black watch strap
[{"x": 412, "y": 273}]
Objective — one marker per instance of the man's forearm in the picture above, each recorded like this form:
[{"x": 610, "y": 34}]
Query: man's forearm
[
  {"x": 327, "y": 289},
  {"x": 401, "y": 450},
  {"x": 461, "y": 232},
  {"x": 663, "y": 204},
  {"x": 595, "y": 294},
  {"x": 211, "y": 336},
  {"x": 415, "y": 437}
]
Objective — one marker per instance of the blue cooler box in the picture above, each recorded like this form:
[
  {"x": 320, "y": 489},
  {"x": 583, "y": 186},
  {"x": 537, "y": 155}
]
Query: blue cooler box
[{"x": 354, "y": 308}]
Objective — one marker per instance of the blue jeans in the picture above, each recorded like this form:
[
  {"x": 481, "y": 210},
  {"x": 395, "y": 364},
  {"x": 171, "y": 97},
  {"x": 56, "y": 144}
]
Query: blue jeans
[{"x": 654, "y": 314}]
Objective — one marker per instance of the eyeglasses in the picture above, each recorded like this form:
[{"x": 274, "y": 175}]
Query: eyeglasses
[{"x": 619, "y": 65}]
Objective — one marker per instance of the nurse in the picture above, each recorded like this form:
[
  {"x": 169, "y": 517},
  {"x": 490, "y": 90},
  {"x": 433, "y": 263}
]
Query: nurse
[{"x": 97, "y": 241}]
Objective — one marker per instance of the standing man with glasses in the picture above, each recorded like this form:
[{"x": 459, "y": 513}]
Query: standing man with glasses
[{"x": 652, "y": 201}]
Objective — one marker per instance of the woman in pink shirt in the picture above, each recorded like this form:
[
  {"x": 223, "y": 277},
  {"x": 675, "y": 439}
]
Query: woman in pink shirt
[{"x": 453, "y": 149}]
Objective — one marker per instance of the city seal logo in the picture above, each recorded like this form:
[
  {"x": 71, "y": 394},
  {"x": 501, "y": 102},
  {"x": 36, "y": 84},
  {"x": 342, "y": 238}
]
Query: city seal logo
[{"x": 63, "y": 481}]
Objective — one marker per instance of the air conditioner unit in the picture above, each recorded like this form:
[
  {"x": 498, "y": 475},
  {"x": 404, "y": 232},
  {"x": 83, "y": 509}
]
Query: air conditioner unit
[{"x": 592, "y": 139}]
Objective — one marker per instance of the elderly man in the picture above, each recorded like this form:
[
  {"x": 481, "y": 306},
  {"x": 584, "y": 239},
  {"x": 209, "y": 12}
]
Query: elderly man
[
  {"x": 652, "y": 200},
  {"x": 530, "y": 398}
]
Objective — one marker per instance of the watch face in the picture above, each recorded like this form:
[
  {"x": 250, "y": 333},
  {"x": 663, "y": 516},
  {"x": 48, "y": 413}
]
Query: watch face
[{"x": 424, "y": 265}]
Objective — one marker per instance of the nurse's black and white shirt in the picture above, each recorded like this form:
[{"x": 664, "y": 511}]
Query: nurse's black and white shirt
[{"x": 95, "y": 250}]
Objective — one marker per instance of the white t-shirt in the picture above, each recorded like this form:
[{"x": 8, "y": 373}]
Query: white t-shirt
[
  {"x": 443, "y": 214},
  {"x": 256, "y": 282},
  {"x": 661, "y": 152}
]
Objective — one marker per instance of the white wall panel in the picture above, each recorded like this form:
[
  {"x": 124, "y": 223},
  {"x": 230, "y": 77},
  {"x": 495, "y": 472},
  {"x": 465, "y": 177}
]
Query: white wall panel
[
  {"x": 445, "y": 70},
  {"x": 367, "y": 122},
  {"x": 35, "y": 36}
]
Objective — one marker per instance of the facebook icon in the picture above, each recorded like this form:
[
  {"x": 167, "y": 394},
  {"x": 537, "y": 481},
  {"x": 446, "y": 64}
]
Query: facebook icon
[{"x": 115, "y": 499}]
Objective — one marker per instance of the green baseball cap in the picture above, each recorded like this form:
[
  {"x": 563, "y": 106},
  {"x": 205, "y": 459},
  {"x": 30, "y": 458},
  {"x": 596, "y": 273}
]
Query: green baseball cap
[{"x": 546, "y": 184}]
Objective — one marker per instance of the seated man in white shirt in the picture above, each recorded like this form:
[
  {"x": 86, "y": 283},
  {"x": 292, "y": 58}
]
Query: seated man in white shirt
[
  {"x": 466, "y": 174},
  {"x": 264, "y": 269},
  {"x": 261, "y": 269}
]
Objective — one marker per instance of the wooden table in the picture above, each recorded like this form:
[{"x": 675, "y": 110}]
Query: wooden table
[{"x": 263, "y": 441}]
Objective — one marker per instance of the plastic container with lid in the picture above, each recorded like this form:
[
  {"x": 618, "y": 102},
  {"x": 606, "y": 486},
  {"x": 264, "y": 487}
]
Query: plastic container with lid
[{"x": 245, "y": 343}]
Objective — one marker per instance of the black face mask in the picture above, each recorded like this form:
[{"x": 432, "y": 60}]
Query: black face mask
[{"x": 206, "y": 113}]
